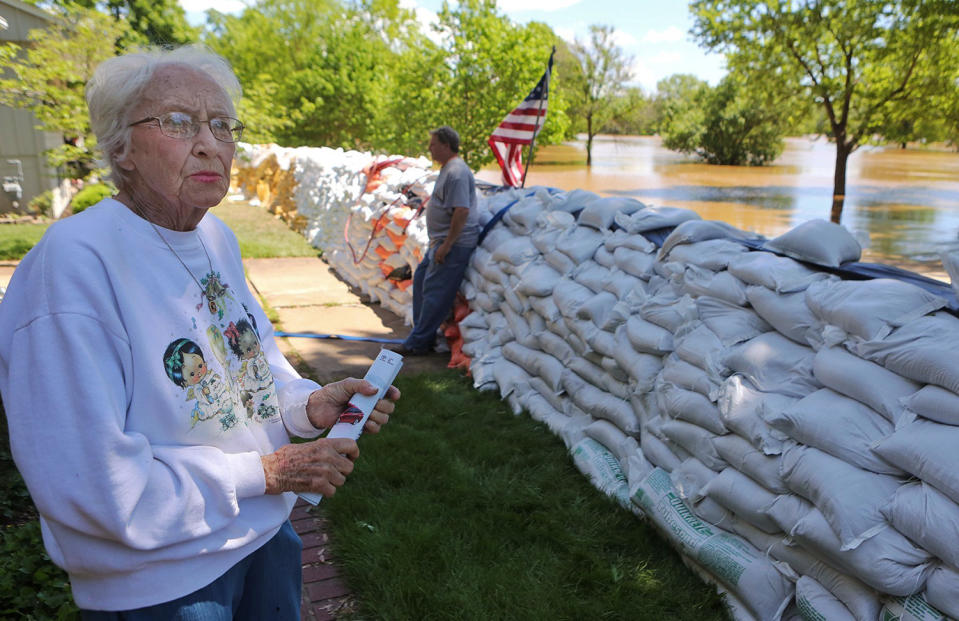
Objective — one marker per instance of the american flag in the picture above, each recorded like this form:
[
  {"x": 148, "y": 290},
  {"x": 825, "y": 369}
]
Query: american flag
[{"x": 519, "y": 128}]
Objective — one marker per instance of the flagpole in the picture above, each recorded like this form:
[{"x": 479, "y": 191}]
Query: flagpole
[{"x": 532, "y": 144}]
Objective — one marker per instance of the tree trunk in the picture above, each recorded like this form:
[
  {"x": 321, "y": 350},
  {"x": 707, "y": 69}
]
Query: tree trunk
[
  {"x": 589, "y": 140},
  {"x": 843, "y": 149}
]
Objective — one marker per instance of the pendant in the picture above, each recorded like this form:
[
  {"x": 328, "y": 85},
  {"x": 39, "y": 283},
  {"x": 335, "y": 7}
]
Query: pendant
[{"x": 212, "y": 306}]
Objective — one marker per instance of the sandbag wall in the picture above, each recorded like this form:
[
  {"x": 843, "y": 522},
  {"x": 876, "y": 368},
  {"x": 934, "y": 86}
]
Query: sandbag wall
[
  {"x": 357, "y": 208},
  {"x": 789, "y": 431},
  {"x": 792, "y": 433}
]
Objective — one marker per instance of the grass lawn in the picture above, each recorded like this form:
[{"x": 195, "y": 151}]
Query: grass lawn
[
  {"x": 259, "y": 233},
  {"x": 460, "y": 510}
]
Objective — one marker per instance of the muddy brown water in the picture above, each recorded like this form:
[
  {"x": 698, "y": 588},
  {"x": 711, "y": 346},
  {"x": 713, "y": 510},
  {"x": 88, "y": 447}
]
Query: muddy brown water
[{"x": 902, "y": 205}]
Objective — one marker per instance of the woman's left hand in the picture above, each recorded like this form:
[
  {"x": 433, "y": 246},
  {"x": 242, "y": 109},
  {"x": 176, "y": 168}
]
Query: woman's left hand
[{"x": 326, "y": 404}]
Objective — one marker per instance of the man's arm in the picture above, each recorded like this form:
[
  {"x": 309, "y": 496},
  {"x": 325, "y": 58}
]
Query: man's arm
[{"x": 457, "y": 222}]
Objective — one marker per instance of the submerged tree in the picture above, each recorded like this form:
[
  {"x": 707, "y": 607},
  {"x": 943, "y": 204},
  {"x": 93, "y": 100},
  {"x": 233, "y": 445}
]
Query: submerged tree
[
  {"x": 605, "y": 69},
  {"x": 855, "y": 58}
]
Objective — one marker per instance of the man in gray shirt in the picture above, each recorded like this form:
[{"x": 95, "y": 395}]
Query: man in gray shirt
[{"x": 452, "y": 224}]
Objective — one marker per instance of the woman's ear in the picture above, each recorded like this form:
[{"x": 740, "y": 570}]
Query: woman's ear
[{"x": 123, "y": 160}]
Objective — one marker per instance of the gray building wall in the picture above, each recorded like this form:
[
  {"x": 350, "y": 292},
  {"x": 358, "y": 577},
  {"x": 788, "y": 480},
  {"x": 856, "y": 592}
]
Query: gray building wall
[{"x": 19, "y": 138}]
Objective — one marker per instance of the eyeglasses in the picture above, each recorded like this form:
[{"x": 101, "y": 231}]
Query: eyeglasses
[{"x": 183, "y": 126}]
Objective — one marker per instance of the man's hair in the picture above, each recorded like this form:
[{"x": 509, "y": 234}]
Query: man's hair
[{"x": 448, "y": 136}]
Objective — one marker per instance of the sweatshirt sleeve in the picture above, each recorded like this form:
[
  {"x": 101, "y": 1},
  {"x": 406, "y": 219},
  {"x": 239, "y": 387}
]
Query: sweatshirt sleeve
[{"x": 66, "y": 400}]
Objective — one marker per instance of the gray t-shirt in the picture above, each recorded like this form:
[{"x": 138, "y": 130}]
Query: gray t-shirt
[{"x": 455, "y": 187}]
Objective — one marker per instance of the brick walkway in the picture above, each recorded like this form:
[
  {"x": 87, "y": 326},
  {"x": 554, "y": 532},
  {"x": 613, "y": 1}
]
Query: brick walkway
[{"x": 325, "y": 594}]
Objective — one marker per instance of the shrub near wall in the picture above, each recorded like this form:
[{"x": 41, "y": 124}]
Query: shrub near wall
[{"x": 792, "y": 433}]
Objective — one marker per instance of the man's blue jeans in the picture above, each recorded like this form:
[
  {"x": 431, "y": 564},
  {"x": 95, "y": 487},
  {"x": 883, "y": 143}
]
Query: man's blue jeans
[
  {"x": 264, "y": 585},
  {"x": 434, "y": 291}
]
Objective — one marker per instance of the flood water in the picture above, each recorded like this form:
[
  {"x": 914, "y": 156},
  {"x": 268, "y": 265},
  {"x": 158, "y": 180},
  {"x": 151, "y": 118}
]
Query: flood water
[{"x": 902, "y": 205}]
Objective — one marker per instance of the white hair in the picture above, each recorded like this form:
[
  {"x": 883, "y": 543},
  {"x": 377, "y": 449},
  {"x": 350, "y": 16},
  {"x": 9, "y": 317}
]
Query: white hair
[{"x": 118, "y": 84}]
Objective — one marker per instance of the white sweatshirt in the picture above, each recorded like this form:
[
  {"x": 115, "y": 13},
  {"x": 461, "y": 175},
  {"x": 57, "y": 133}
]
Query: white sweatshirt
[{"x": 138, "y": 410}]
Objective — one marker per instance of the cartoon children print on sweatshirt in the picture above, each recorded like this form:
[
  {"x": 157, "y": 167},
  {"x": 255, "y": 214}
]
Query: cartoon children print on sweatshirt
[
  {"x": 254, "y": 377},
  {"x": 186, "y": 367}
]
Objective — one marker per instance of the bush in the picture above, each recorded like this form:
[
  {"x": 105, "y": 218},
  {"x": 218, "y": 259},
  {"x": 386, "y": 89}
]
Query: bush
[
  {"x": 41, "y": 204},
  {"x": 90, "y": 195}
]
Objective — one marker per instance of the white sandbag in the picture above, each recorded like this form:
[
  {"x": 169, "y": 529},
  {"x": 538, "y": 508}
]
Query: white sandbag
[
  {"x": 669, "y": 310},
  {"x": 743, "y": 456},
  {"x": 861, "y": 601},
  {"x": 690, "y": 478},
  {"x": 604, "y": 257},
  {"x": 838, "y": 425},
  {"x": 569, "y": 296},
  {"x": 745, "y": 498},
  {"x": 698, "y": 345},
  {"x": 888, "y": 562},
  {"x": 647, "y": 337},
  {"x": 510, "y": 377},
  {"x": 928, "y": 451},
  {"x": 554, "y": 398},
  {"x": 659, "y": 453},
  {"x": 849, "y": 498},
  {"x": 601, "y": 212},
  {"x": 621, "y": 284},
  {"x": 934, "y": 403},
  {"x": 597, "y": 308},
  {"x": 923, "y": 350},
  {"x": 559, "y": 261},
  {"x": 692, "y": 231},
  {"x": 541, "y": 410},
  {"x": 555, "y": 346},
  {"x": 600, "y": 404},
  {"x": 731, "y": 323},
  {"x": 928, "y": 517},
  {"x": 579, "y": 243},
  {"x": 773, "y": 363},
  {"x": 942, "y": 590},
  {"x": 522, "y": 216},
  {"x": 870, "y": 309},
  {"x": 779, "y": 274},
  {"x": 712, "y": 254},
  {"x": 591, "y": 275},
  {"x": 689, "y": 406},
  {"x": 912, "y": 608},
  {"x": 536, "y": 363},
  {"x": 634, "y": 262},
  {"x": 697, "y": 441},
  {"x": 537, "y": 278},
  {"x": 788, "y": 314},
  {"x": 620, "y": 238},
  {"x": 641, "y": 369},
  {"x": 742, "y": 408},
  {"x": 601, "y": 468},
  {"x": 572, "y": 201},
  {"x": 699, "y": 281},
  {"x": 819, "y": 242},
  {"x": 655, "y": 217},
  {"x": 545, "y": 307},
  {"x": 864, "y": 381},
  {"x": 816, "y": 603},
  {"x": 730, "y": 559},
  {"x": 679, "y": 372},
  {"x": 613, "y": 438}
]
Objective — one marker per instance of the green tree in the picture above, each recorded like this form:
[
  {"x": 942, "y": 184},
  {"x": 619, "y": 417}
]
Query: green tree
[
  {"x": 674, "y": 95},
  {"x": 49, "y": 76},
  {"x": 728, "y": 125},
  {"x": 484, "y": 68},
  {"x": 634, "y": 113},
  {"x": 156, "y": 22},
  {"x": 605, "y": 67},
  {"x": 855, "y": 58}
]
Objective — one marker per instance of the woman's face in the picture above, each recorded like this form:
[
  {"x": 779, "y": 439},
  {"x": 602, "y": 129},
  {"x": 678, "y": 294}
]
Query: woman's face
[{"x": 177, "y": 174}]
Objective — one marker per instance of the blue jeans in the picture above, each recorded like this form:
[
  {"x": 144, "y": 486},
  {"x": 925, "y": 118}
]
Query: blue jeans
[
  {"x": 434, "y": 291},
  {"x": 264, "y": 585}
]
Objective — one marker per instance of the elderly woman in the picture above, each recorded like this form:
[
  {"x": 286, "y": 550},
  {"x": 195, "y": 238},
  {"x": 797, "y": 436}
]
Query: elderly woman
[{"x": 161, "y": 473}]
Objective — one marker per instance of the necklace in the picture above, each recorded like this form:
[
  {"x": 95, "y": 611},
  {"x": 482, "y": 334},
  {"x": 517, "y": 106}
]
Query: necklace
[{"x": 210, "y": 286}]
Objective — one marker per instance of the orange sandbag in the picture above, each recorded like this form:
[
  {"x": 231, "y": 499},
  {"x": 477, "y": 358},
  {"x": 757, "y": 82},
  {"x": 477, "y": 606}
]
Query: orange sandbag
[
  {"x": 404, "y": 284},
  {"x": 397, "y": 238},
  {"x": 461, "y": 308},
  {"x": 383, "y": 252}
]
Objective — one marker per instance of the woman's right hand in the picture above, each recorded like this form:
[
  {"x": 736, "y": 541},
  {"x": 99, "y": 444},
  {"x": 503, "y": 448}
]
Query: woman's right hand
[{"x": 319, "y": 466}]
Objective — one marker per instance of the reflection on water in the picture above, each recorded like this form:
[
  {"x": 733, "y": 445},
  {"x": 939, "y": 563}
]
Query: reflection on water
[{"x": 903, "y": 205}]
